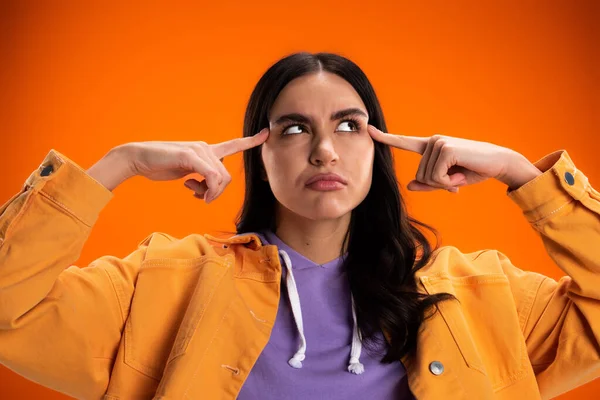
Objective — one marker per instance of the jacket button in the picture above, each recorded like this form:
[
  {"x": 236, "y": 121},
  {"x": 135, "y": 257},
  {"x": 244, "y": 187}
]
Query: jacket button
[
  {"x": 47, "y": 170},
  {"x": 436, "y": 368},
  {"x": 569, "y": 178}
]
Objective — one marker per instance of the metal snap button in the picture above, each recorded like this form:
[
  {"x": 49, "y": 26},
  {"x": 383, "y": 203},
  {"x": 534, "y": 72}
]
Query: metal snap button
[
  {"x": 569, "y": 178},
  {"x": 47, "y": 170},
  {"x": 436, "y": 368}
]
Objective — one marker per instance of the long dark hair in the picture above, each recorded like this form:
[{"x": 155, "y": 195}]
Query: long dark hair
[{"x": 385, "y": 247}]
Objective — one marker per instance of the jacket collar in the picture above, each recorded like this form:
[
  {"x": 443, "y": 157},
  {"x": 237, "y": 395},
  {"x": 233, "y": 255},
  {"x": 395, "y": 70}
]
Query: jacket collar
[{"x": 250, "y": 238}]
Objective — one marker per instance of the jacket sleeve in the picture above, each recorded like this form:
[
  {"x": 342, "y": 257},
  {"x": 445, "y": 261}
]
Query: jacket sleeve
[
  {"x": 60, "y": 325},
  {"x": 561, "y": 319}
]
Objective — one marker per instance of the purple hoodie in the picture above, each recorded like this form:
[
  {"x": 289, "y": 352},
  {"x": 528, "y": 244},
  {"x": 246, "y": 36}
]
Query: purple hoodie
[{"x": 321, "y": 295}]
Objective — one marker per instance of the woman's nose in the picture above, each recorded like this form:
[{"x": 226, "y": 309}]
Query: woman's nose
[{"x": 323, "y": 152}]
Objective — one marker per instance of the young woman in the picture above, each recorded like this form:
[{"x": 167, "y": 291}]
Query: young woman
[{"x": 326, "y": 263}]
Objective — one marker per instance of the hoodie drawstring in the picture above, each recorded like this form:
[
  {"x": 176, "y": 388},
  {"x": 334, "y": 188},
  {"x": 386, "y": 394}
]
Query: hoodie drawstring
[
  {"x": 355, "y": 365},
  {"x": 296, "y": 360}
]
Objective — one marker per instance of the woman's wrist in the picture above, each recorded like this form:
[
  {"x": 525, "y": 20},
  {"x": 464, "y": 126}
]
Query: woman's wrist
[
  {"x": 520, "y": 171},
  {"x": 114, "y": 168}
]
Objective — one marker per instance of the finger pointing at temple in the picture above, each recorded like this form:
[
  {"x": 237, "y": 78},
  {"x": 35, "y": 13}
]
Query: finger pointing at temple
[{"x": 411, "y": 143}]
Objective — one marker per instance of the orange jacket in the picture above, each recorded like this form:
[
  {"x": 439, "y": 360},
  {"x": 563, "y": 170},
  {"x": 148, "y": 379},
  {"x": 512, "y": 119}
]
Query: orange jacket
[{"x": 187, "y": 318}]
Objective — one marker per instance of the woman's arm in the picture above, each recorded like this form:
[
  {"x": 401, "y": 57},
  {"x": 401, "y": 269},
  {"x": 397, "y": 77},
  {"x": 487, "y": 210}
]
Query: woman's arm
[
  {"x": 562, "y": 330},
  {"x": 560, "y": 320},
  {"x": 61, "y": 325}
]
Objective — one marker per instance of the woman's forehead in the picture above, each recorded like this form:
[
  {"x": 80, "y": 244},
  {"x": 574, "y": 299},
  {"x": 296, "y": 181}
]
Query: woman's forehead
[{"x": 316, "y": 96}]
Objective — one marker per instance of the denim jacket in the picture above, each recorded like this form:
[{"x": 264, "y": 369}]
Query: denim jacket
[{"x": 187, "y": 318}]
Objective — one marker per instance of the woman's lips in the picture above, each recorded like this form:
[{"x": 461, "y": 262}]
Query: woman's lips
[{"x": 325, "y": 185}]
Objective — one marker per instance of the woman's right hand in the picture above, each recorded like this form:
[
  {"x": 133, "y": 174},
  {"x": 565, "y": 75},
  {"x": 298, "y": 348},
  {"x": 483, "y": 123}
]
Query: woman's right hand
[{"x": 163, "y": 161}]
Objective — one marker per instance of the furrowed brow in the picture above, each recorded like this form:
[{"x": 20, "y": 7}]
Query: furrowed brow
[
  {"x": 348, "y": 111},
  {"x": 293, "y": 117},
  {"x": 303, "y": 119}
]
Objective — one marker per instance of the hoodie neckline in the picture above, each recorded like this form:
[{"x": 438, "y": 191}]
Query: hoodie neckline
[{"x": 299, "y": 261}]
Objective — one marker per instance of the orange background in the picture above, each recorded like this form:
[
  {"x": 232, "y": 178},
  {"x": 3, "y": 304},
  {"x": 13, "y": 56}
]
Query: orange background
[{"x": 83, "y": 78}]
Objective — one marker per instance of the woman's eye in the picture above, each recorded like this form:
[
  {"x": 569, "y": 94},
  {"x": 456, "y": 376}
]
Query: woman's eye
[
  {"x": 345, "y": 126},
  {"x": 290, "y": 130},
  {"x": 348, "y": 126}
]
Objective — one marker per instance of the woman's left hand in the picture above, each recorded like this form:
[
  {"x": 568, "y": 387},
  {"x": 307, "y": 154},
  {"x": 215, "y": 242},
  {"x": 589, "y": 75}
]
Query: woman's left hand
[{"x": 450, "y": 162}]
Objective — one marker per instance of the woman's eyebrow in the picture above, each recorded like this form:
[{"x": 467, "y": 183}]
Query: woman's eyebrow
[{"x": 303, "y": 119}]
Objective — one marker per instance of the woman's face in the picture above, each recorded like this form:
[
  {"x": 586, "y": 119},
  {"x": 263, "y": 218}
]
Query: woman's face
[{"x": 318, "y": 124}]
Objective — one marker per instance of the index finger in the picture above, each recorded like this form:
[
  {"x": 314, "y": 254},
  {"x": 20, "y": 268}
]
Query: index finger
[
  {"x": 233, "y": 146},
  {"x": 416, "y": 144}
]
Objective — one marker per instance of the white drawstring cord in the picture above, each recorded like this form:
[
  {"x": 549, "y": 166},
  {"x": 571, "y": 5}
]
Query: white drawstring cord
[
  {"x": 355, "y": 366},
  {"x": 296, "y": 360}
]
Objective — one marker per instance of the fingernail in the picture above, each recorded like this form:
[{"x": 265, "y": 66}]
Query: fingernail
[
  {"x": 263, "y": 130},
  {"x": 211, "y": 198}
]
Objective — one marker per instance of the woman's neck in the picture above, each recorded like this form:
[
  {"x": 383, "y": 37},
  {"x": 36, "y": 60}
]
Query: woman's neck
[{"x": 319, "y": 241}]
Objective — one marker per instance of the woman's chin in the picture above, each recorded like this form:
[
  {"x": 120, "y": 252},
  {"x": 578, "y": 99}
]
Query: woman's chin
[{"x": 324, "y": 212}]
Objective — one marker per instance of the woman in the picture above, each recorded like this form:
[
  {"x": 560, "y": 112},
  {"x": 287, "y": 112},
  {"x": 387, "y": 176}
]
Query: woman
[{"x": 326, "y": 261}]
